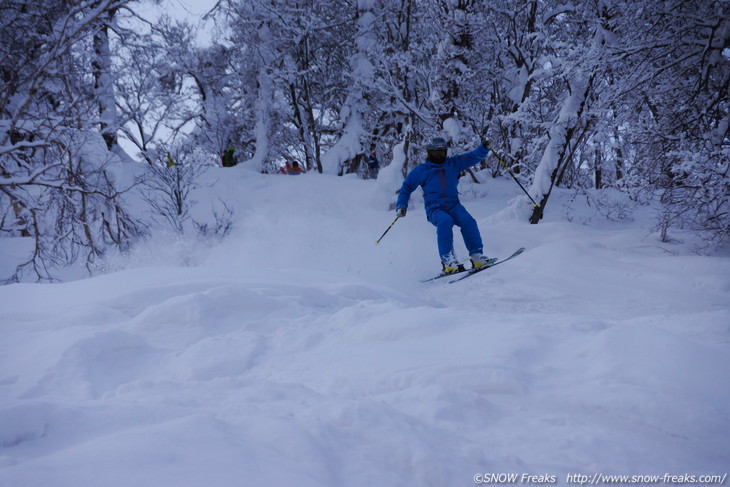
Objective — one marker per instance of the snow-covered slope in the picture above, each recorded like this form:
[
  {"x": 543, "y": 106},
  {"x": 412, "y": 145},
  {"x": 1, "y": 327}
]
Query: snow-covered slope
[{"x": 297, "y": 352}]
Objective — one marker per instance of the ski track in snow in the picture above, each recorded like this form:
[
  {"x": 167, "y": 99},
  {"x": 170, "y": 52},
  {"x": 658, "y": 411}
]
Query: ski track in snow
[{"x": 298, "y": 353}]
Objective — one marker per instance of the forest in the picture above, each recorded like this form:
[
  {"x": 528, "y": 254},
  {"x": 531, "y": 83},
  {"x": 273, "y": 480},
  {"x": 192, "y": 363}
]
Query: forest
[{"x": 107, "y": 118}]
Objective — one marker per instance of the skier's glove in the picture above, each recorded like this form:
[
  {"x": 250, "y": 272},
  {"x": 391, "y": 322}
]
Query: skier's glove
[
  {"x": 485, "y": 142},
  {"x": 400, "y": 212}
]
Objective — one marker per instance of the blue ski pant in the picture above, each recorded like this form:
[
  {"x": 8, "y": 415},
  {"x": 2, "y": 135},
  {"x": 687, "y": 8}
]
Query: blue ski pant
[{"x": 444, "y": 220}]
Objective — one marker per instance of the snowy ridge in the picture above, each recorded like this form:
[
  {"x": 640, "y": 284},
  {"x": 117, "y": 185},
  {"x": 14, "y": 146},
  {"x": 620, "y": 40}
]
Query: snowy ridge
[{"x": 298, "y": 353}]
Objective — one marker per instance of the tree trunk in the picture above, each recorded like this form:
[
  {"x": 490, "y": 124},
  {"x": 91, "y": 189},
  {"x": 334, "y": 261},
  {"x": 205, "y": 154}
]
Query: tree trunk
[{"x": 104, "y": 81}]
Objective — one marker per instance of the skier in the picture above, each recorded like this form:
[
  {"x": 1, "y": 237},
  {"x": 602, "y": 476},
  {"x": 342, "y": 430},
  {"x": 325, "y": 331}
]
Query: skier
[
  {"x": 294, "y": 170},
  {"x": 438, "y": 177},
  {"x": 373, "y": 166},
  {"x": 291, "y": 169},
  {"x": 228, "y": 159}
]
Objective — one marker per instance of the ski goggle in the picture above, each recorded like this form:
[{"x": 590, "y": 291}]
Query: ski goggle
[{"x": 437, "y": 154}]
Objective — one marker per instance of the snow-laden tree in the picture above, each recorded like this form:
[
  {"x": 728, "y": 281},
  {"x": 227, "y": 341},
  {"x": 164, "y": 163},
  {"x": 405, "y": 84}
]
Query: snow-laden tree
[
  {"x": 59, "y": 183},
  {"x": 455, "y": 84},
  {"x": 573, "y": 94},
  {"x": 224, "y": 94},
  {"x": 289, "y": 50},
  {"x": 572, "y": 72},
  {"x": 512, "y": 41},
  {"x": 398, "y": 114},
  {"x": 167, "y": 88},
  {"x": 625, "y": 96},
  {"x": 679, "y": 111},
  {"x": 349, "y": 151}
]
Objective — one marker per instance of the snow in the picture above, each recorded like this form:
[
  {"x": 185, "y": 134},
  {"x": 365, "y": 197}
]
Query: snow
[
  {"x": 297, "y": 352},
  {"x": 453, "y": 128}
]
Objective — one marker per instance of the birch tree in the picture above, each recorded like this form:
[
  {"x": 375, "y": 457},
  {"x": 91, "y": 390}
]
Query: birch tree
[{"x": 104, "y": 77}]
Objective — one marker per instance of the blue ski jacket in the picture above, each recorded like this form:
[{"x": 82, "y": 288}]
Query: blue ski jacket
[{"x": 439, "y": 181}]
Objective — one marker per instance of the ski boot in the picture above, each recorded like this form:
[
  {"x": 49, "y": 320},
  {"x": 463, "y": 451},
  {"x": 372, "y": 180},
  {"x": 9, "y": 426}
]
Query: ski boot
[
  {"x": 480, "y": 260},
  {"x": 452, "y": 267}
]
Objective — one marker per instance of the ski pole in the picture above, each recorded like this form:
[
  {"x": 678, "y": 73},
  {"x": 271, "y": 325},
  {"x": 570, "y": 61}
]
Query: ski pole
[
  {"x": 514, "y": 177},
  {"x": 386, "y": 231}
]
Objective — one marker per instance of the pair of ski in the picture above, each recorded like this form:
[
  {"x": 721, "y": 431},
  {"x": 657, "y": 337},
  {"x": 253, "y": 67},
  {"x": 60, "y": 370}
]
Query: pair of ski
[{"x": 471, "y": 272}]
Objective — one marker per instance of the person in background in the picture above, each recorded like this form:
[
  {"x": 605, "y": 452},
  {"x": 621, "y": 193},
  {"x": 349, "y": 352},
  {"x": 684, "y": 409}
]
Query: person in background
[
  {"x": 373, "y": 166},
  {"x": 228, "y": 159},
  {"x": 292, "y": 169}
]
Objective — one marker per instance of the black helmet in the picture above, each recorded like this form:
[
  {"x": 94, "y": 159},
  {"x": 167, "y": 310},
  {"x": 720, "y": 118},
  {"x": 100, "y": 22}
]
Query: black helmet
[
  {"x": 437, "y": 150},
  {"x": 437, "y": 143}
]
